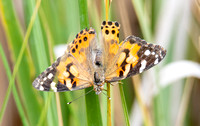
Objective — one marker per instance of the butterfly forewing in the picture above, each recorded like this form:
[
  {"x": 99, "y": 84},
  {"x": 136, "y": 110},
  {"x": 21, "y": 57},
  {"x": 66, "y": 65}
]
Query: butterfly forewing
[
  {"x": 134, "y": 56},
  {"x": 110, "y": 41},
  {"x": 73, "y": 70}
]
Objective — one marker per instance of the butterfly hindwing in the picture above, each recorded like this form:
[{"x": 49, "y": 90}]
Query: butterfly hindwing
[{"x": 134, "y": 56}]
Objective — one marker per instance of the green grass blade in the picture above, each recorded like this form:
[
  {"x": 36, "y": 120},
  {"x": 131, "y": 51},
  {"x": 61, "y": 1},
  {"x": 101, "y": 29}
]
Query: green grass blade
[
  {"x": 39, "y": 50},
  {"x": 92, "y": 101},
  {"x": 44, "y": 111},
  {"x": 124, "y": 105},
  {"x": 144, "y": 21},
  {"x": 15, "y": 94},
  {"x": 21, "y": 69}
]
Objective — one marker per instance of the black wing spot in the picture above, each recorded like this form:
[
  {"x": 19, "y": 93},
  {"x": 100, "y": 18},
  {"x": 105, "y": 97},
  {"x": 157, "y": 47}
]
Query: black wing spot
[
  {"x": 113, "y": 31},
  {"x": 64, "y": 82},
  {"x": 74, "y": 84},
  {"x": 73, "y": 50},
  {"x": 118, "y": 35},
  {"x": 81, "y": 32},
  {"x": 117, "y": 24},
  {"x": 127, "y": 52},
  {"x": 107, "y": 32},
  {"x": 104, "y": 22},
  {"x": 72, "y": 80},
  {"x": 109, "y": 23},
  {"x": 123, "y": 68},
  {"x": 68, "y": 66},
  {"x": 121, "y": 73},
  {"x": 85, "y": 38},
  {"x": 91, "y": 32},
  {"x": 80, "y": 41},
  {"x": 61, "y": 87}
]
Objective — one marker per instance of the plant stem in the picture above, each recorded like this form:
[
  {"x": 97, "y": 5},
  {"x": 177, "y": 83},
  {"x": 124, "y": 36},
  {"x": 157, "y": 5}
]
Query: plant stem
[{"x": 109, "y": 123}]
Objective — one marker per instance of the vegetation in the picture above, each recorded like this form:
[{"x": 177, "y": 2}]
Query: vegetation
[{"x": 165, "y": 95}]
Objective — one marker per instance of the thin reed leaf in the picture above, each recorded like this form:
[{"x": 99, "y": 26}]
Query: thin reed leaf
[
  {"x": 126, "y": 116},
  {"x": 18, "y": 49},
  {"x": 14, "y": 90},
  {"x": 143, "y": 19},
  {"x": 39, "y": 50},
  {"x": 92, "y": 101}
]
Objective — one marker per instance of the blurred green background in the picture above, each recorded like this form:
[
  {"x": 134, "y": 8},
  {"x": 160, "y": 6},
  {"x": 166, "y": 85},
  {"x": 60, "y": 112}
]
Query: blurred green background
[{"x": 166, "y": 95}]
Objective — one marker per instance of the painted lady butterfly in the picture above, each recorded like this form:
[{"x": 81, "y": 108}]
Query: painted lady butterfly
[{"x": 91, "y": 62}]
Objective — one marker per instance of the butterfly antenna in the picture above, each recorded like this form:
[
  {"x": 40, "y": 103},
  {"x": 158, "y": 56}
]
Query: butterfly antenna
[
  {"x": 80, "y": 96},
  {"x": 106, "y": 94}
]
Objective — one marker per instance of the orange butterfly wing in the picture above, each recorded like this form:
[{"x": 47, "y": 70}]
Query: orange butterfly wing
[{"x": 72, "y": 71}]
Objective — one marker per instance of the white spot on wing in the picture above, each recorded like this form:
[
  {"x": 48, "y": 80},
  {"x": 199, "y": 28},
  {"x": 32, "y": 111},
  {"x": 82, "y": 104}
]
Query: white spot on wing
[
  {"x": 68, "y": 83},
  {"x": 156, "y": 56},
  {"x": 36, "y": 85},
  {"x": 66, "y": 74},
  {"x": 50, "y": 75},
  {"x": 41, "y": 88},
  {"x": 143, "y": 65},
  {"x": 153, "y": 53},
  {"x": 127, "y": 69},
  {"x": 53, "y": 86},
  {"x": 156, "y": 61},
  {"x": 44, "y": 78},
  {"x": 50, "y": 67},
  {"x": 147, "y": 52}
]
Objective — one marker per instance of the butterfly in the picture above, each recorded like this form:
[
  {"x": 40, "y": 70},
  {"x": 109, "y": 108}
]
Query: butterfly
[{"x": 89, "y": 61}]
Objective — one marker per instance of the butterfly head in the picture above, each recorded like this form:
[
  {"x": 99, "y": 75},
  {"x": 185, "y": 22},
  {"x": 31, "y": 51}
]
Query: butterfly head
[
  {"x": 98, "y": 82},
  {"x": 98, "y": 88}
]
